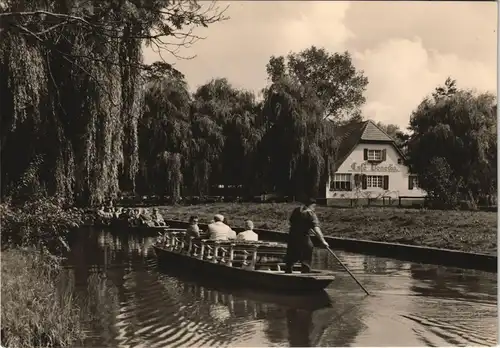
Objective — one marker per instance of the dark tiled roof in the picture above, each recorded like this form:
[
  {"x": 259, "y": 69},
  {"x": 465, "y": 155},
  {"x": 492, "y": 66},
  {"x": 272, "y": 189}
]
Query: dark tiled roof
[
  {"x": 346, "y": 138},
  {"x": 372, "y": 132},
  {"x": 349, "y": 136}
]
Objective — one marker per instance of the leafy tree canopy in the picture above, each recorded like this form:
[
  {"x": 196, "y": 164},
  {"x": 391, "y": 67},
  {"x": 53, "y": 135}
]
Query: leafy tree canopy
[
  {"x": 460, "y": 128},
  {"x": 333, "y": 78}
]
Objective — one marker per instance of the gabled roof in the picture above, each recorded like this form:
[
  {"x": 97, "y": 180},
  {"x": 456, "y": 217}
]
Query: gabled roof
[
  {"x": 352, "y": 134},
  {"x": 372, "y": 132}
]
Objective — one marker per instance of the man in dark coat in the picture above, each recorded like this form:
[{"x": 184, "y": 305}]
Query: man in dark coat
[{"x": 300, "y": 247}]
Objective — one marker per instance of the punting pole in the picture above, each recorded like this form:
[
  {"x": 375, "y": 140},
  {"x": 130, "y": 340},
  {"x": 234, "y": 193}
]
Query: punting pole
[{"x": 348, "y": 271}]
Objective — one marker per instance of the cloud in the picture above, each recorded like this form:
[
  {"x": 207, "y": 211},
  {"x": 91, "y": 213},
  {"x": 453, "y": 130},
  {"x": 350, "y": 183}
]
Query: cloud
[
  {"x": 402, "y": 72},
  {"x": 240, "y": 48},
  {"x": 405, "y": 49},
  {"x": 467, "y": 29}
]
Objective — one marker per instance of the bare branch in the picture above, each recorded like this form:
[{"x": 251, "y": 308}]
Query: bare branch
[
  {"x": 64, "y": 16},
  {"x": 179, "y": 14}
]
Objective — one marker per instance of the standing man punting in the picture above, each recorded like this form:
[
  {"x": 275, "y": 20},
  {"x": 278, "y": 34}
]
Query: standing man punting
[{"x": 300, "y": 247}]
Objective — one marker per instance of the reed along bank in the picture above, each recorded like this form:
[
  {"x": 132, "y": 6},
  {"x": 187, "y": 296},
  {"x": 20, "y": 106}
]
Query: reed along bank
[{"x": 36, "y": 310}]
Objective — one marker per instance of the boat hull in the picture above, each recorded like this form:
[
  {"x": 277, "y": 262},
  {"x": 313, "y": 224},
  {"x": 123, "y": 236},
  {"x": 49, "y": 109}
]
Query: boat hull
[
  {"x": 126, "y": 227},
  {"x": 310, "y": 301},
  {"x": 234, "y": 276}
]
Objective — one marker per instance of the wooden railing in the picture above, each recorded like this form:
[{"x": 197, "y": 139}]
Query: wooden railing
[{"x": 233, "y": 253}]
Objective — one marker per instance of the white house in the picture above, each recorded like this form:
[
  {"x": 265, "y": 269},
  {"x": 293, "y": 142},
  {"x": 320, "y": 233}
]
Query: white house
[{"x": 369, "y": 165}]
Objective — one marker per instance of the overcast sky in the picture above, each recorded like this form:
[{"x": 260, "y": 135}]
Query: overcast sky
[{"x": 405, "y": 49}]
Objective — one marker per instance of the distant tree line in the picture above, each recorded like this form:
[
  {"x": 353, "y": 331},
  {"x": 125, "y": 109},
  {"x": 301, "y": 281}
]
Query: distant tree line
[
  {"x": 224, "y": 135},
  {"x": 83, "y": 118}
]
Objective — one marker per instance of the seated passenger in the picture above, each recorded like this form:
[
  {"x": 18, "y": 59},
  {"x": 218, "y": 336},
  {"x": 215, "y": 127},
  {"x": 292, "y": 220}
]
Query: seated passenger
[
  {"x": 142, "y": 217},
  {"x": 102, "y": 216},
  {"x": 193, "y": 230},
  {"x": 124, "y": 215},
  {"x": 146, "y": 215},
  {"x": 100, "y": 211},
  {"x": 248, "y": 234},
  {"x": 117, "y": 212},
  {"x": 218, "y": 230},
  {"x": 130, "y": 215},
  {"x": 134, "y": 220},
  {"x": 112, "y": 214},
  {"x": 108, "y": 213},
  {"x": 110, "y": 210},
  {"x": 157, "y": 218},
  {"x": 146, "y": 219}
]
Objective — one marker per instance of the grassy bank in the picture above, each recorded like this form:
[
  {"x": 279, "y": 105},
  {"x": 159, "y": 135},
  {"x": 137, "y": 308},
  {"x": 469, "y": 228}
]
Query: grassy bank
[
  {"x": 35, "y": 312},
  {"x": 457, "y": 230}
]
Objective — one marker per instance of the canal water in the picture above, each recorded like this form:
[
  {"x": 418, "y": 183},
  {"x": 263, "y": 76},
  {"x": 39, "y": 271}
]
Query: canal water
[{"x": 128, "y": 302}]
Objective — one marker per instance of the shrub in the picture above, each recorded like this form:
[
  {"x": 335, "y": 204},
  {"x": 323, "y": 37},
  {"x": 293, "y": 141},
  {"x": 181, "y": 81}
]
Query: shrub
[
  {"x": 35, "y": 312},
  {"x": 441, "y": 184},
  {"x": 41, "y": 222}
]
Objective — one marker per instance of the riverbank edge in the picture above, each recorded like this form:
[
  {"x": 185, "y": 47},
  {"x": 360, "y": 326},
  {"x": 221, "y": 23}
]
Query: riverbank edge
[
  {"x": 403, "y": 252},
  {"x": 38, "y": 309},
  {"x": 35, "y": 311}
]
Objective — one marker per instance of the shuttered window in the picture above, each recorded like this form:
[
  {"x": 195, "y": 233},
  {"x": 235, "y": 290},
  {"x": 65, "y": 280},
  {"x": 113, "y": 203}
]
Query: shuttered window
[
  {"x": 341, "y": 182},
  {"x": 375, "y": 181},
  {"x": 371, "y": 155}
]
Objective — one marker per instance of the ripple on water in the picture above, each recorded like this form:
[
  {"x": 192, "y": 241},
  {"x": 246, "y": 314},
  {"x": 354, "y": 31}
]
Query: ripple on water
[
  {"x": 174, "y": 324},
  {"x": 421, "y": 303},
  {"x": 452, "y": 333}
]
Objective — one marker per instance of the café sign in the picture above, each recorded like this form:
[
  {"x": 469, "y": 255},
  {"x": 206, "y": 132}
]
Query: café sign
[{"x": 370, "y": 167}]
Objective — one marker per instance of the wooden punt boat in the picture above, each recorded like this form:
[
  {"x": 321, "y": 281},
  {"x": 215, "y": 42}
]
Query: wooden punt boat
[
  {"x": 149, "y": 230},
  {"x": 116, "y": 224},
  {"x": 231, "y": 262},
  {"x": 269, "y": 253},
  {"x": 310, "y": 301}
]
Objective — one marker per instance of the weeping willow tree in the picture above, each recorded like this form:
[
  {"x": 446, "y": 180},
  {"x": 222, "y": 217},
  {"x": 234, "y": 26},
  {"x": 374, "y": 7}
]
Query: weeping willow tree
[
  {"x": 234, "y": 141},
  {"x": 306, "y": 88},
  {"x": 206, "y": 147},
  {"x": 297, "y": 143},
  {"x": 71, "y": 89},
  {"x": 164, "y": 132},
  {"x": 244, "y": 135}
]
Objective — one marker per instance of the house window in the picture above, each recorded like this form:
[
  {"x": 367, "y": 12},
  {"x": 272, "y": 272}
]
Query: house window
[
  {"x": 374, "y": 155},
  {"x": 412, "y": 182},
  {"x": 374, "y": 181},
  {"x": 340, "y": 182},
  {"x": 400, "y": 161}
]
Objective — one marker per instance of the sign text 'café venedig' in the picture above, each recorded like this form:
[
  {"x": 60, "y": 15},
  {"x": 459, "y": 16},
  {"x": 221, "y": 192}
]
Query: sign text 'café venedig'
[{"x": 370, "y": 167}]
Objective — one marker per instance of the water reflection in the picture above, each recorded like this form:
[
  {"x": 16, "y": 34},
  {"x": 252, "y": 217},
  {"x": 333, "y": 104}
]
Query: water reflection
[
  {"x": 129, "y": 302},
  {"x": 452, "y": 283},
  {"x": 449, "y": 294}
]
